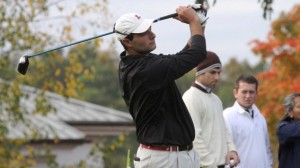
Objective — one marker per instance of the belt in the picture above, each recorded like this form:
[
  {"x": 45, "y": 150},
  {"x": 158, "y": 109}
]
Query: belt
[
  {"x": 168, "y": 148},
  {"x": 220, "y": 166}
]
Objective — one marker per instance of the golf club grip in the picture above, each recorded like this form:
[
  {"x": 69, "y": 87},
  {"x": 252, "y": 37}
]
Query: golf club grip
[
  {"x": 165, "y": 17},
  {"x": 171, "y": 15}
]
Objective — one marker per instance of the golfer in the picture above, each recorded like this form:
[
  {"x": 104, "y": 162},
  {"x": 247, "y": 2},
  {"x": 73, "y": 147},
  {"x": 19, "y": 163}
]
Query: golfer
[{"x": 164, "y": 127}]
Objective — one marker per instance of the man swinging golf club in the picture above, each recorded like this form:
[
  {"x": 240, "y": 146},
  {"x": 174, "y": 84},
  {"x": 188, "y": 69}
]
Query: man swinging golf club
[
  {"x": 164, "y": 127},
  {"x": 24, "y": 60}
]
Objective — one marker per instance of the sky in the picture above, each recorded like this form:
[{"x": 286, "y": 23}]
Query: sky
[{"x": 231, "y": 26}]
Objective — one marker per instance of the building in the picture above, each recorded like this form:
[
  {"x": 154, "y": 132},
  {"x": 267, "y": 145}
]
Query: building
[{"x": 74, "y": 124}]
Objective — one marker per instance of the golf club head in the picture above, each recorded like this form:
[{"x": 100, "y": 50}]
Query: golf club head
[{"x": 23, "y": 64}]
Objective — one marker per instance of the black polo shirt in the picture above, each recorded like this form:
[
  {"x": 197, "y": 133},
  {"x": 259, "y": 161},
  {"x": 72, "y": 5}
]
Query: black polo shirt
[{"x": 152, "y": 97}]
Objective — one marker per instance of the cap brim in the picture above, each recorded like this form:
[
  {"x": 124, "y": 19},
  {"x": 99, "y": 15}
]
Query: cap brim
[{"x": 144, "y": 26}]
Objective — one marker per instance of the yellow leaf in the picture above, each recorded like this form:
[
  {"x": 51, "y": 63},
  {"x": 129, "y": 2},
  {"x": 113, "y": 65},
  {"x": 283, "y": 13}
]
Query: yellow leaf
[
  {"x": 67, "y": 29},
  {"x": 57, "y": 72},
  {"x": 121, "y": 138}
]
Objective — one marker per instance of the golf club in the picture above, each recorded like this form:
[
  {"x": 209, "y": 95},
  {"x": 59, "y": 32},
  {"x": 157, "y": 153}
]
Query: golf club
[{"x": 24, "y": 60}]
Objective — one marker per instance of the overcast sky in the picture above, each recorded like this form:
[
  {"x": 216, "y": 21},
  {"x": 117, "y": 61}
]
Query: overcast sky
[{"x": 231, "y": 26}]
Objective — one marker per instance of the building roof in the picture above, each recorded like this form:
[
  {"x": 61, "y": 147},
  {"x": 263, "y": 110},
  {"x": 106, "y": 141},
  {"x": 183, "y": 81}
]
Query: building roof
[
  {"x": 57, "y": 124},
  {"x": 43, "y": 128},
  {"x": 74, "y": 110}
]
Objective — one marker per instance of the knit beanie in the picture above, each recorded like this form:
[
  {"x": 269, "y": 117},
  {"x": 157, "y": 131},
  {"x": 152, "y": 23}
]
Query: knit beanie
[{"x": 210, "y": 62}]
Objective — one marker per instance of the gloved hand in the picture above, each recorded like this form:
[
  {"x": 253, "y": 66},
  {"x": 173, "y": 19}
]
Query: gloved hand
[{"x": 201, "y": 13}]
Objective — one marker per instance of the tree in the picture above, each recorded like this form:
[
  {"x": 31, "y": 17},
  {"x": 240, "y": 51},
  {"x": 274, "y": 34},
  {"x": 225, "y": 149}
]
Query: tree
[
  {"x": 114, "y": 150},
  {"x": 282, "y": 50},
  {"x": 102, "y": 85},
  {"x": 25, "y": 28},
  {"x": 230, "y": 73}
]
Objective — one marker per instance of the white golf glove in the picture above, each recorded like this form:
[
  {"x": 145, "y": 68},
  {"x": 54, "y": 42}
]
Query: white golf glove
[{"x": 201, "y": 13}]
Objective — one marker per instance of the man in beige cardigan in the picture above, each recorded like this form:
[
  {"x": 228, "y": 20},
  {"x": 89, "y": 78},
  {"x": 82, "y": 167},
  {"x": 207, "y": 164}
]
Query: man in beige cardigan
[{"x": 212, "y": 139}]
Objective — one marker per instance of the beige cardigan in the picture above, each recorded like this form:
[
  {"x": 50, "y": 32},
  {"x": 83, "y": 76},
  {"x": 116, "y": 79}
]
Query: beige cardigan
[{"x": 212, "y": 139}]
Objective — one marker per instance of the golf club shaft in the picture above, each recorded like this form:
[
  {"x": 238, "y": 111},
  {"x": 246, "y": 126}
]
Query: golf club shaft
[{"x": 67, "y": 45}]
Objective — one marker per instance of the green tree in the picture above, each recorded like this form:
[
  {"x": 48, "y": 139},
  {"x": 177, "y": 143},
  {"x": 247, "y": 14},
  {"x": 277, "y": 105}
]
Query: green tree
[
  {"x": 230, "y": 73},
  {"x": 114, "y": 149},
  {"x": 26, "y": 28},
  {"x": 185, "y": 82},
  {"x": 101, "y": 86}
]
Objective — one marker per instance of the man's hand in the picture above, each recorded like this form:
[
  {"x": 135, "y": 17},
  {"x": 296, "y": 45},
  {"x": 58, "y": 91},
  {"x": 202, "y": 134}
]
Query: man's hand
[
  {"x": 186, "y": 14},
  {"x": 202, "y": 17},
  {"x": 201, "y": 13},
  {"x": 232, "y": 155}
]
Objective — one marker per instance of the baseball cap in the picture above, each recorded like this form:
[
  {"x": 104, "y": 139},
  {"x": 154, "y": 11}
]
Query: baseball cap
[
  {"x": 131, "y": 23},
  {"x": 210, "y": 62}
]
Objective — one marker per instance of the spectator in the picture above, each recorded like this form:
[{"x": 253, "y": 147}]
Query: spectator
[
  {"x": 288, "y": 133},
  {"x": 247, "y": 125},
  {"x": 212, "y": 142}
]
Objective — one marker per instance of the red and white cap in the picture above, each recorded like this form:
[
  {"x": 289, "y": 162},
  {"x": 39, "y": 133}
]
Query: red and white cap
[{"x": 131, "y": 23}]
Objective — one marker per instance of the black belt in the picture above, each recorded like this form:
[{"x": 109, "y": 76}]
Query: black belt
[{"x": 168, "y": 148}]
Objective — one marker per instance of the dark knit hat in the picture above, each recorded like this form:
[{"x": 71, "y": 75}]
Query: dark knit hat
[{"x": 210, "y": 62}]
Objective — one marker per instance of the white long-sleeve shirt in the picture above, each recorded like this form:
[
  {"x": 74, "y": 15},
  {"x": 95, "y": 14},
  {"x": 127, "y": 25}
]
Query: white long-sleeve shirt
[
  {"x": 250, "y": 136},
  {"x": 212, "y": 139}
]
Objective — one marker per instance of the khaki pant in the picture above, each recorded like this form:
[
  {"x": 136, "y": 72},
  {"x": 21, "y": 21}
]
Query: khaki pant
[{"x": 166, "y": 159}]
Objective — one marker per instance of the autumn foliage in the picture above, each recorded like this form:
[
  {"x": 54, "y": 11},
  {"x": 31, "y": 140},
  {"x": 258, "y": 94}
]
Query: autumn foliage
[{"x": 282, "y": 51}]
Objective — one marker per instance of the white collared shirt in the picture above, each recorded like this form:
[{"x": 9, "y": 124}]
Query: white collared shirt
[
  {"x": 250, "y": 136},
  {"x": 250, "y": 112}
]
